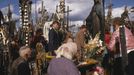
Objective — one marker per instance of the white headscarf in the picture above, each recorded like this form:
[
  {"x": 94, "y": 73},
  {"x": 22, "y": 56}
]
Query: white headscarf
[{"x": 67, "y": 50}]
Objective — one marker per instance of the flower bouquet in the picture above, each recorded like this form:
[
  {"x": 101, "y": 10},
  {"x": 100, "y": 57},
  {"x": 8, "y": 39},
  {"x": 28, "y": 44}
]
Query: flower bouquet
[{"x": 95, "y": 49}]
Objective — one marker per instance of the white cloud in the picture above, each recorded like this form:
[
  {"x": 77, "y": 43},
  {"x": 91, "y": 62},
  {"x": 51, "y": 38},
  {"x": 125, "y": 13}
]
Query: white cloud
[
  {"x": 5, "y": 9},
  {"x": 80, "y": 8},
  {"x": 116, "y": 12},
  {"x": 15, "y": 17},
  {"x": 50, "y": 5},
  {"x": 131, "y": 16},
  {"x": 77, "y": 23},
  {"x": 5, "y": 12}
]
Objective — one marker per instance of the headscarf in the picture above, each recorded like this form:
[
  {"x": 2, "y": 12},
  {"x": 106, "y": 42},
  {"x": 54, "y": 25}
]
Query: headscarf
[{"x": 67, "y": 50}]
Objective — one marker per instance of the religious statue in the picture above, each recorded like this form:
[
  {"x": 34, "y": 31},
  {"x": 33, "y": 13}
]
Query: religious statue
[{"x": 95, "y": 20}]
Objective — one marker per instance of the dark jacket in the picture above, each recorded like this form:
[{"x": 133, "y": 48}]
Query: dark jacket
[
  {"x": 54, "y": 40},
  {"x": 20, "y": 67}
]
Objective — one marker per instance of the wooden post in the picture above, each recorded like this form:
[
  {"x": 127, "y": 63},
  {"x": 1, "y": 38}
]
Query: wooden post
[{"x": 123, "y": 48}]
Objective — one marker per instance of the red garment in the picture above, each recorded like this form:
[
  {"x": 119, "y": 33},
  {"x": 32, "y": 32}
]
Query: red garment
[{"x": 107, "y": 38}]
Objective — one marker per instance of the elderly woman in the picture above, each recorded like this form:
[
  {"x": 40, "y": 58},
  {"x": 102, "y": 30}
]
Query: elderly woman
[
  {"x": 63, "y": 64},
  {"x": 21, "y": 66}
]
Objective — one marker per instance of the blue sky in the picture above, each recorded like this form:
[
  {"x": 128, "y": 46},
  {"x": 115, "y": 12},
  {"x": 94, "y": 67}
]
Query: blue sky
[
  {"x": 80, "y": 8},
  {"x": 119, "y": 3},
  {"x": 4, "y": 3}
]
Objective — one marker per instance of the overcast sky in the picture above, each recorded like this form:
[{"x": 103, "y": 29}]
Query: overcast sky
[{"x": 80, "y": 8}]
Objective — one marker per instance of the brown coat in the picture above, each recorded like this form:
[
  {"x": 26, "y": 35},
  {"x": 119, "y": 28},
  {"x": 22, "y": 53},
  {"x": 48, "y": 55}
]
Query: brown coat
[{"x": 80, "y": 39}]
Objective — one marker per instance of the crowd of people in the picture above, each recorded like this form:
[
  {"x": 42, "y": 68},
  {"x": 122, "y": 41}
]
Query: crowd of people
[
  {"x": 65, "y": 48},
  {"x": 65, "y": 51}
]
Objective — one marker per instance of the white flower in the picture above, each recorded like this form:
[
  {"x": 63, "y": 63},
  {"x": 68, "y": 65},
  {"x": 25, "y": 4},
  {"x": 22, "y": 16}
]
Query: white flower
[{"x": 100, "y": 42}]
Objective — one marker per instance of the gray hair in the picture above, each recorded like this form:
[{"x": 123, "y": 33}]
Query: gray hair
[
  {"x": 22, "y": 50},
  {"x": 67, "y": 50}
]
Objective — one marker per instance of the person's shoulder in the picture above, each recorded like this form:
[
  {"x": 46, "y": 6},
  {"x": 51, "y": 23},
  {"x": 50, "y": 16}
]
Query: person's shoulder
[
  {"x": 116, "y": 32},
  {"x": 18, "y": 60},
  {"x": 56, "y": 59},
  {"x": 61, "y": 59},
  {"x": 53, "y": 59},
  {"x": 127, "y": 29},
  {"x": 23, "y": 64},
  {"x": 52, "y": 30},
  {"x": 79, "y": 32}
]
